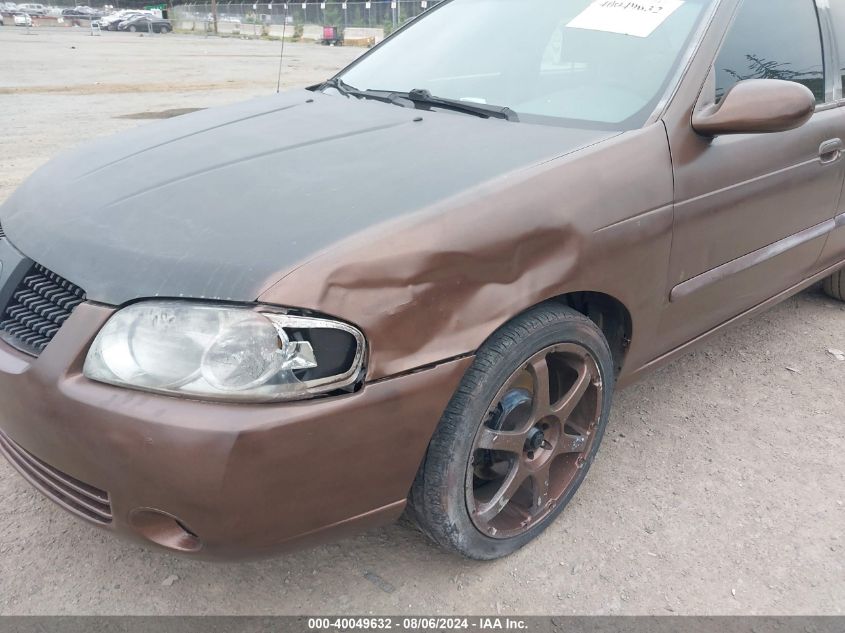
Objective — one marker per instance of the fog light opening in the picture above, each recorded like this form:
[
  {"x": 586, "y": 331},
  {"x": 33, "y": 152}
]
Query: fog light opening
[{"x": 165, "y": 530}]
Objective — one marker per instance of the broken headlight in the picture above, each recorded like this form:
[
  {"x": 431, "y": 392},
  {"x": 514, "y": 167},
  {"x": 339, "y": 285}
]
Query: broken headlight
[{"x": 224, "y": 353}]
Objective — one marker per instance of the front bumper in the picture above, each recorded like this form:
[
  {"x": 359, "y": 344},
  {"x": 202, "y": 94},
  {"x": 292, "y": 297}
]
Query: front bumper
[{"x": 242, "y": 480}]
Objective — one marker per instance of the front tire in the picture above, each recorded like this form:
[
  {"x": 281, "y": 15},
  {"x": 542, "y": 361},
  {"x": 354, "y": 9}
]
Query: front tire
[
  {"x": 518, "y": 436},
  {"x": 834, "y": 286}
]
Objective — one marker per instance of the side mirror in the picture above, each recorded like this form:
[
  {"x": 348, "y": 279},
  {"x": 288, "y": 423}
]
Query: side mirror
[{"x": 757, "y": 106}]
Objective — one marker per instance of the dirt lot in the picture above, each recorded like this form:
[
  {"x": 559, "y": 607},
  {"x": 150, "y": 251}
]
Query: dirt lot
[{"x": 720, "y": 488}]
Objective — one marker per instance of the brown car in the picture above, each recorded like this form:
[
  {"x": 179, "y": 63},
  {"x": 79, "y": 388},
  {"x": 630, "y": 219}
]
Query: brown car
[{"x": 416, "y": 286}]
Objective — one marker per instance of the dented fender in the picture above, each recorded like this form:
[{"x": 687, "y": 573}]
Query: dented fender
[{"x": 435, "y": 285}]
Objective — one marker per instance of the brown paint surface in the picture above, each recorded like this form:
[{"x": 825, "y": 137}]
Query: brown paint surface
[{"x": 632, "y": 218}]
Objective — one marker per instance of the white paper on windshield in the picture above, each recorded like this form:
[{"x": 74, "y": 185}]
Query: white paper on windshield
[{"x": 625, "y": 17}]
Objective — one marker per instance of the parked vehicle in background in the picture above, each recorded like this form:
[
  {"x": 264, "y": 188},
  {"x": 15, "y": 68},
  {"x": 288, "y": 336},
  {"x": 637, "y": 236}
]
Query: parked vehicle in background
[
  {"x": 8, "y": 7},
  {"x": 109, "y": 22},
  {"x": 112, "y": 21},
  {"x": 86, "y": 13},
  {"x": 144, "y": 24},
  {"x": 33, "y": 9},
  {"x": 22, "y": 19},
  {"x": 332, "y": 36}
]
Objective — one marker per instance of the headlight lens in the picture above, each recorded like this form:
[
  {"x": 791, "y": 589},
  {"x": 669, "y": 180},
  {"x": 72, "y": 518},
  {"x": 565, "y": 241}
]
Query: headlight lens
[{"x": 224, "y": 353}]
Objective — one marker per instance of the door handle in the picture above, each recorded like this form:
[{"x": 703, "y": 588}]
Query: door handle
[{"x": 831, "y": 151}]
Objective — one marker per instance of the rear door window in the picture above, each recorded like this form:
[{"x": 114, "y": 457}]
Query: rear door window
[
  {"x": 837, "y": 10},
  {"x": 773, "y": 39}
]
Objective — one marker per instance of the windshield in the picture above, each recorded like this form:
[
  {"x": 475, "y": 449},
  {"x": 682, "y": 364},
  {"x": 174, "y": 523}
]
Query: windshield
[{"x": 585, "y": 63}]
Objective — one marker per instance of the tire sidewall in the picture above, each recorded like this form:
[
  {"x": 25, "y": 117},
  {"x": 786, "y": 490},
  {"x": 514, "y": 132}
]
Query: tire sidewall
[
  {"x": 463, "y": 533},
  {"x": 834, "y": 286}
]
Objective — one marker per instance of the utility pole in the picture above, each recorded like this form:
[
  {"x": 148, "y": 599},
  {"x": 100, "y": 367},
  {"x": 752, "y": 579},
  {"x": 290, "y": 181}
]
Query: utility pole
[{"x": 214, "y": 14}]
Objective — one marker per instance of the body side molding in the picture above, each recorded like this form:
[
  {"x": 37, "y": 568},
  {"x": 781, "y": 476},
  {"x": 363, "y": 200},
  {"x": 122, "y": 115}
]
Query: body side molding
[{"x": 714, "y": 275}]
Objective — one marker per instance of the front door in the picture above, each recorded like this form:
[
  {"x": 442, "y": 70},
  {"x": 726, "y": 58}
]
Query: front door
[{"x": 753, "y": 211}]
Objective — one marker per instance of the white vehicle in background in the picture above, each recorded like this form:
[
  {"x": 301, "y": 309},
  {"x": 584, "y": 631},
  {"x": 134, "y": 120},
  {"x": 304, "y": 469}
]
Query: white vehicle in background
[
  {"x": 111, "y": 18},
  {"x": 22, "y": 19},
  {"x": 111, "y": 21},
  {"x": 8, "y": 7},
  {"x": 33, "y": 9}
]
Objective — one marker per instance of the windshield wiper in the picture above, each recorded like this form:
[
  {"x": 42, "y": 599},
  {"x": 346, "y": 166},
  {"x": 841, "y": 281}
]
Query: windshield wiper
[
  {"x": 424, "y": 97},
  {"x": 420, "y": 97},
  {"x": 346, "y": 90},
  {"x": 338, "y": 84}
]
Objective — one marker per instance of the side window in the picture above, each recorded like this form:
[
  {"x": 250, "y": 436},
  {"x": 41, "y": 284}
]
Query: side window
[
  {"x": 773, "y": 39},
  {"x": 837, "y": 11}
]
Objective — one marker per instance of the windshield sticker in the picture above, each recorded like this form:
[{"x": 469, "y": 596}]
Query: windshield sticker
[{"x": 639, "y": 19}]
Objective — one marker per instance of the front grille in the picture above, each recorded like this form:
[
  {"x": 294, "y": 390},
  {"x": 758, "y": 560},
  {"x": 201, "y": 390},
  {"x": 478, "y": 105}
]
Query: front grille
[
  {"x": 75, "y": 496},
  {"x": 35, "y": 312}
]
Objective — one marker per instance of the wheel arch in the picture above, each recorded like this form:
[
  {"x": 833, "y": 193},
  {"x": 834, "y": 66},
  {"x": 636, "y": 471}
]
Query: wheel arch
[{"x": 610, "y": 314}]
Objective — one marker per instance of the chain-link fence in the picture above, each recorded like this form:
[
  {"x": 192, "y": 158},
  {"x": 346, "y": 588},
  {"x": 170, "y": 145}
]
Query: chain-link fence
[{"x": 354, "y": 21}]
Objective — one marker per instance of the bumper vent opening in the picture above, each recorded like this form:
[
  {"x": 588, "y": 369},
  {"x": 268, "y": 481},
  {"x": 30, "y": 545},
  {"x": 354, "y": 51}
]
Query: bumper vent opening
[
  {"x": 75, "y": 496},
  {"x": 36, "y": 310}
]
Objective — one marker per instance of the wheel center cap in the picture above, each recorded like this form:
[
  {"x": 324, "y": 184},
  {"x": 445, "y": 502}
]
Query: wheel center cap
[{"x": 535, "y": 440}]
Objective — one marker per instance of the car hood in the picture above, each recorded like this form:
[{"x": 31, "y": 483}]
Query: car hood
[{"x": 221, "y": 203}]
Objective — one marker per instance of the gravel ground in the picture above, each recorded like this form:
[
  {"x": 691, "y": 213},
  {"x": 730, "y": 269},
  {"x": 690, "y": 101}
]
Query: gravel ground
[{"x": 720, "y": 488}]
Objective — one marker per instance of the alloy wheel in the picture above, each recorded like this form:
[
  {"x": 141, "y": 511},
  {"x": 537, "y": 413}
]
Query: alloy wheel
[{"x": 536, "y": 437}]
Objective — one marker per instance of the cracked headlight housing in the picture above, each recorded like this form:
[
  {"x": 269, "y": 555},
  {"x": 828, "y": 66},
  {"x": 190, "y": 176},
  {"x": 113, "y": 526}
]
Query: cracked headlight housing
[{"x": 220, "y": 352}]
